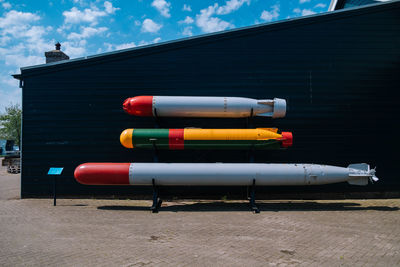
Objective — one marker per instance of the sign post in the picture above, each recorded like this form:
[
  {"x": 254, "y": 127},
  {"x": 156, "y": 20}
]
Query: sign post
[{"x": 55, "y": 171}]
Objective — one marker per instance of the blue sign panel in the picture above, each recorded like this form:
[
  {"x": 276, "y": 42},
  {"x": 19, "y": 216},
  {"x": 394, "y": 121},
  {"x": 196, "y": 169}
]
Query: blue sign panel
[{"x": 55, "y": 171}]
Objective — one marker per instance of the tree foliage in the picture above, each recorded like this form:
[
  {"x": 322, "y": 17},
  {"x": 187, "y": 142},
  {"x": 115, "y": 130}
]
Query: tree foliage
[{"x": 10, "y": 124}]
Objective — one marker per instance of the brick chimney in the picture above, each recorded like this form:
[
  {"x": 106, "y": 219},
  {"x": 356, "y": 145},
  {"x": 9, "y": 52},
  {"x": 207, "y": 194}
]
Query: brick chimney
[{"x": 55, "y": 55}]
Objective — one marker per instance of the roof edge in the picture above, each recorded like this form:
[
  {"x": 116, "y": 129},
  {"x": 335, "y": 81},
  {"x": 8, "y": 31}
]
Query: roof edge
[{"x": 17, "y": 76}]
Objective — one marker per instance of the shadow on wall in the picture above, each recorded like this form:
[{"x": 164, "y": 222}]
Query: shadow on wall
[{"x": 287, "y": 206}]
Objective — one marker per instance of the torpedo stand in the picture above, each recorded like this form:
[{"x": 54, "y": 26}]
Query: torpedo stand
[
  {"x": 250, "y": 154},
  {"x": 252, "y": 198},
  {"x": 156, "y": 200},
  {"x": 157, "y": 120}
]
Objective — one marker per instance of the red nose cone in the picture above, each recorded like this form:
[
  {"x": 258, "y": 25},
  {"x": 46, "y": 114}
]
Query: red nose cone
[
  {"x": 287, "y": 139},
  {"x": 126, "y": 105},
  {"x": 139, "y": 105},
  {"x": 102, "y": 173}
]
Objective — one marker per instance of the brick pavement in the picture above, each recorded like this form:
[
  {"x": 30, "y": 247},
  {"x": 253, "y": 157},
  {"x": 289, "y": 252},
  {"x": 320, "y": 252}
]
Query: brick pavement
[
  {"x": 9, "y": 184},
  {"x": 88, "y": 232}
]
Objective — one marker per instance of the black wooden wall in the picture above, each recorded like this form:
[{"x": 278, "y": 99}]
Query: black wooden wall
[{"x": 340, "y": 74}]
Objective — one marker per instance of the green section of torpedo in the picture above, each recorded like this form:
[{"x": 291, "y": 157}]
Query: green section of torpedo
[{"x": 145, "y": 138}]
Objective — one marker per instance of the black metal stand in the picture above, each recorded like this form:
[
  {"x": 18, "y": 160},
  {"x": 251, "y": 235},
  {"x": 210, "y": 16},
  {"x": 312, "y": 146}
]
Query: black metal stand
[
  {"x": 155, "y": 150},
  {"x": 156, "y": 200},
  {"x": 55, "y": 190},
  {"x": 253, "y": 205},
  {"x": 156, "y": 119}
]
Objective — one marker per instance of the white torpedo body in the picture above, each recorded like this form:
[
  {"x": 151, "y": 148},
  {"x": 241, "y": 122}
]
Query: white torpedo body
[
  {"x": 204, "y": 106},
  {"x": 221, "y": 174}
]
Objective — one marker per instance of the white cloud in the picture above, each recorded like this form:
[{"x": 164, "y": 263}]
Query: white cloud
[
  {"x": 207, "y": 23},
  {"x": 304, "y": 1},
  {"x": 17, "y": 49},
  {"x": 80, "y": 24},
  {"x": 149, "y": 25},
  {"x": 231, "y": 6},
  {"x": 187, "y": 20},
  {"x": 125, "y": 46},
  {"x": 34, "y": 34},
  {"x": 86, "y": 32},
  {"x": 74, "y": 49},
  {"x": 75, "y": 16},
  {"x": 270, "y": 15},
  {"x": 109, "y": 7},
  {"x": 23, "y": 61},
  {"x": 8, "y": 97},
  {"x": 162, "y": 6},
  {"x": 13, "y": 18},
  {"x": 306, "y": 12},
  {"x": 187, "y": 31},
  {"x": 9, "y": 80},
  {"x": 320, "y": 5},
  {"x": 22, "y": 44},
  {"x": 186, "y": 8},
  {"x": 111, "y": 47},
  {"x": 137, "y": 23},
  {"x": 16, "y": 25},
  {"x": 303, "y": 12},
  {"x": 6, "y": 5},
  {"x": 143, "y": 42},
  {"x": 4, "y": 40}
]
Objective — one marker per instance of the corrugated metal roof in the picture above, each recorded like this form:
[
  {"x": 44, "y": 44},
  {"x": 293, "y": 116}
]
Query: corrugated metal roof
[{"x": 195, "y": 40}]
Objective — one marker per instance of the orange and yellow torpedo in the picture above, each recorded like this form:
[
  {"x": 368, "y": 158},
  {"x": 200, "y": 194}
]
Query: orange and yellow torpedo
[{"x": 260, "y": 138}]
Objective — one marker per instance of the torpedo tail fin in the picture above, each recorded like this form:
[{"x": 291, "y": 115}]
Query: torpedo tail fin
[{"x": 361, "y": 173}]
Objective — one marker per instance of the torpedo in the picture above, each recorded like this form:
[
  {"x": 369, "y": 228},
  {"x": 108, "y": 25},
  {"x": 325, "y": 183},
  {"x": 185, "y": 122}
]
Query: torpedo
[
  {"x": 189, "y": 138},
  {"x": 221, "y": 174},
  {"x": 204, "y": 106}
]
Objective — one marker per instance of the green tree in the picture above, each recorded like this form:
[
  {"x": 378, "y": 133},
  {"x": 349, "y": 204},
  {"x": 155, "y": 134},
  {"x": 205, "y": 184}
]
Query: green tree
[{"x": 10, "y": 123}]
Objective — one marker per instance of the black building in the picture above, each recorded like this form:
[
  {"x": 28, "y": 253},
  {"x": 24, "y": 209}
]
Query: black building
[{"x": 339, "y": 72}]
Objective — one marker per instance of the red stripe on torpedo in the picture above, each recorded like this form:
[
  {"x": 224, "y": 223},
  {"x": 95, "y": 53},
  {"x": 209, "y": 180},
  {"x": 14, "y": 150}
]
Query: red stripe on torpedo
[
  {"x": 175, "y": 137},
  {"x": 103, "y": 173}
]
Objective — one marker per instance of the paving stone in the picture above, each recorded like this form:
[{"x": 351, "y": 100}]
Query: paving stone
[{"x": 118, "y": 233}]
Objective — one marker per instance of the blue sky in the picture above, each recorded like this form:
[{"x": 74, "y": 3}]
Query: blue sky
[{"x": 83, "y": 27}]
